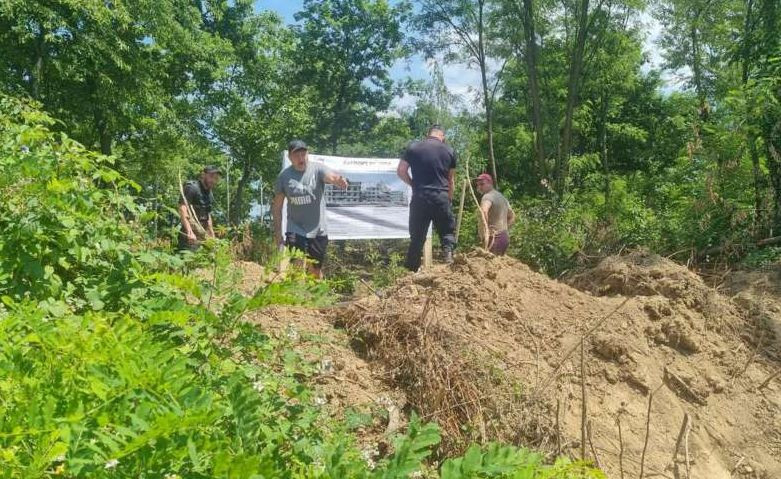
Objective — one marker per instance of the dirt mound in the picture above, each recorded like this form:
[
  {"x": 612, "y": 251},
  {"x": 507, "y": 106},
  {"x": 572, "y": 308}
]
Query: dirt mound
[
  {"x": 759, "y": 293},
  {"x": 641, "y": 273},
  {"x": 492, "y": 350}
]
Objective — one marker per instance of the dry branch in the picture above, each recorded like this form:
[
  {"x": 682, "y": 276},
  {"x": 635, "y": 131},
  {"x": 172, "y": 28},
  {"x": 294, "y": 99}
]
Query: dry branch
[
  {"x": 681, "y": 434},
  {"x": 766, "y": 382},
  {"x": 591, "y": 445},
  {"x": 583, "y": 398},
  {"x": 647, "y": 429},
  {"x": 620, "y": 444}
]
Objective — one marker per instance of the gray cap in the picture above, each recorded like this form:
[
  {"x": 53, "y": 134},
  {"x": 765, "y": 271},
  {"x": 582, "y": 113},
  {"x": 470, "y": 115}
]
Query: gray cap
[{"x": 296, "y": 145}]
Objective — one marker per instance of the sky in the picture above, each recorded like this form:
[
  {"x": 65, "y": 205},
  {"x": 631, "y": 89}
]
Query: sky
[{"x": 460, "y": 79}]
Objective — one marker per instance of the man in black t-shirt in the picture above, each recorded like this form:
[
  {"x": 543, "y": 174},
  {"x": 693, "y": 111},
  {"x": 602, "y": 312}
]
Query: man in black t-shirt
[
  {"x": 432, "y": 165},
  {"x": 195, "y": 208}
]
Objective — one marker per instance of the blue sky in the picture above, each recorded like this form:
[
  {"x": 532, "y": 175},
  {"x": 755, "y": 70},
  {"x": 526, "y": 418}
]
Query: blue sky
[
  {"x": 458, "y": 78},
  {"x": 286, "y": 8}
]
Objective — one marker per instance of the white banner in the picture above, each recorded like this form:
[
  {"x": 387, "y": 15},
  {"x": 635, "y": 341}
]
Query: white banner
[{"x": 374, "y": 206}]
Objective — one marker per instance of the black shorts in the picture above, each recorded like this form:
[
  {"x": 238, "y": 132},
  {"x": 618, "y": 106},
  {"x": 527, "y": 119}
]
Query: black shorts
[{"x": 315, "y": 247}]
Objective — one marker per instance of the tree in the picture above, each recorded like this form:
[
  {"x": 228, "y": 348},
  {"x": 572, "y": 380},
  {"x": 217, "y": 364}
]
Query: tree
[
  {"x": 461, "y": 29},
  {"x": 108, "y": 70},
  {"x": 582, "y": 28},
  {"x": 345, "y": 51},
  {"x": 769, "y": 88},
  {"x": 255, "y": 109},
  {"x": 531, "y": 56},
  {"x": 690, "y": 41}
]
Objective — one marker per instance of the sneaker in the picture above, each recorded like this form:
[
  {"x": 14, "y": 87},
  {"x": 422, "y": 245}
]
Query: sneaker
[{"x": 447, "y": 256}]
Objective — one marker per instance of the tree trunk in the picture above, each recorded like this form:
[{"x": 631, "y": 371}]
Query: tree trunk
[
  {"x": 102, "y": 129},
  {"x": 37, "y": 74},
  {"x": 771, "y": 118},
  {"x": 773, "y": 145},
  {"x": 241, "y": 187},
  {"x": 534, "y": 87},
  {"x": 751, "y": 138},
  {"x": 487, "y": 96},
  {"x": 573, "y": 86},
  {"x": 602, "y": 135},
  {"x": 697, "y": 70}
]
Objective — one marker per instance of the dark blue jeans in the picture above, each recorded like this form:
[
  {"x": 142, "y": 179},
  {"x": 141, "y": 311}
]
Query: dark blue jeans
[{"x": 429, "y": 206}]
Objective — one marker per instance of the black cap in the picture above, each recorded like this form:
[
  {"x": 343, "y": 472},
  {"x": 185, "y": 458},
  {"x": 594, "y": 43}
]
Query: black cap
[
  {"x": 296, "y": 145},
  {"x": 212, "y": 169}
]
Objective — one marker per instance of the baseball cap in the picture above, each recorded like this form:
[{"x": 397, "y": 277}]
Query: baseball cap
[
  {"x": 485, "y": 177},
  {"x": 212, "y": 169},
  {"x": 296, "y": 145}
]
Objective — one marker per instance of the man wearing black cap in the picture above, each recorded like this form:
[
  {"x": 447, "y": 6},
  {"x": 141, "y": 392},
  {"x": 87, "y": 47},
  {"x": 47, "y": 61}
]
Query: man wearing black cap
[
  {"x": 195, "y": 208},
  {"x": 433, "y": 167},
  {"x": 302, "y": 184}
]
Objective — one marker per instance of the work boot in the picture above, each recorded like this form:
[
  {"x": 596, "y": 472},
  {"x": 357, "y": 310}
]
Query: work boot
[{"x": 447, "y": 255}]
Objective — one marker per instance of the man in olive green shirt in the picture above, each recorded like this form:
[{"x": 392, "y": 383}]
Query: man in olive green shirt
[{"x": 498, "y": 215}]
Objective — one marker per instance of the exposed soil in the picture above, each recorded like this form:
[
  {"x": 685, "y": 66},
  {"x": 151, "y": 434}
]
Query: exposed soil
[
  {"x": 758, "y": 292},
  {"x": 491, "y": 350}
]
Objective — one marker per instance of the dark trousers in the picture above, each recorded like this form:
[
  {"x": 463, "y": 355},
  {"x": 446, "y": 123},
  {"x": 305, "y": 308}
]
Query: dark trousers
[
  {"x": 500, "y": 243},
  {"x": 429, "y": 206}
]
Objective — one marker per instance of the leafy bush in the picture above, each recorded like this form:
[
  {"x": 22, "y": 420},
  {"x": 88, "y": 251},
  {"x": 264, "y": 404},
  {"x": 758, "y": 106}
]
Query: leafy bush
[
  {"x": 69, "y": 224},
  {"x": 507, "y": 462},
  {"x": 114, "y": 363}
]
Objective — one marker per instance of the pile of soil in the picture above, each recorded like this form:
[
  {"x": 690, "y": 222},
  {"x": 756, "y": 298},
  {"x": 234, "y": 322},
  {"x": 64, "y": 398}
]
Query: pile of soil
[
  {"x": 492, "y": 351},
  {"x": 758, "y": 292}
]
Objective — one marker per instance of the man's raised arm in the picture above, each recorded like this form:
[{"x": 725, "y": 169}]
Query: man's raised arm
[{"x": 336, "y": 179}]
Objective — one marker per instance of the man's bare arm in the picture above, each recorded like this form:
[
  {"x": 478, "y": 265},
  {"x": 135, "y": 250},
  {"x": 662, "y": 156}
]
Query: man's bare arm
[
  {"x": 403, "y": 172},
  {"x": 276, "y": 215},
  {"x": 451, "y": 184},
  {"x": 184, "y": 215},
  {"x": 210, "y": 227},
  {"x": 482, "y": 225},
  {"x": 510, "y": 216},
  {"x": 336, "y": 179}
]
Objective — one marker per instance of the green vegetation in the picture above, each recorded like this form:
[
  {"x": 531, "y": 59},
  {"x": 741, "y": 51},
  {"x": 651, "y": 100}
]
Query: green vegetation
[
  {"x": 599, "y": 149},
  {"x": 116, "y": 363}
]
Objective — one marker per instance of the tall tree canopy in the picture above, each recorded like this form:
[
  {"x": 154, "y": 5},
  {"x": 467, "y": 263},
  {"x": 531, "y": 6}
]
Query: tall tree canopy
[{"x": 346, "y": 48}]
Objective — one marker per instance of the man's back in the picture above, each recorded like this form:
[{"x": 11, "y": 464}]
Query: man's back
[
  {"x": 199, "y": 198},
  {"x": 430, "y": 161},
  {"x": 497, "y": 215}
]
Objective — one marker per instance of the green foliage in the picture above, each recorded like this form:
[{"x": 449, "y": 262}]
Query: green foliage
[
  {"x": 761, "y": 258},
  {"x": 65, "y": 239},
  {"x": 115, "y": 363},
  {"x": 507, "y": 462},
  {"x": 346, "y": 50}
]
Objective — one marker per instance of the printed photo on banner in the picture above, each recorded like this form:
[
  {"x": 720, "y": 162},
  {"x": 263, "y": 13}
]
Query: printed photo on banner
[{"x": 375, "y": 205}]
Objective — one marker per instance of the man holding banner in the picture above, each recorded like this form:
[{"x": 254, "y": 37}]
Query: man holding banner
[
  {"x": 432, "y": 165},
  {"x": 302, "y": 184}
]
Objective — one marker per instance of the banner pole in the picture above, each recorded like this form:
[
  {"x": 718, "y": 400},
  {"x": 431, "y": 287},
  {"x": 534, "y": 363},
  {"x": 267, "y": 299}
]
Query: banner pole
[{"x": 428, "y": 253}]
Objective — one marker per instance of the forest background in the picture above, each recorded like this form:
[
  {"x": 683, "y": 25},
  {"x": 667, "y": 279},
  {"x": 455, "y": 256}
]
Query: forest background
[{"x": 598, "y": 147}]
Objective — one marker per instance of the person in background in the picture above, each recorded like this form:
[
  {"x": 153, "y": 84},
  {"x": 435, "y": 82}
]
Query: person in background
[
  {"x": 429, "y": 166},
  {"x": 302, "y": 184},
  {"x": 195, "y": 209},
  {"x": 498, "y": 214}
]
